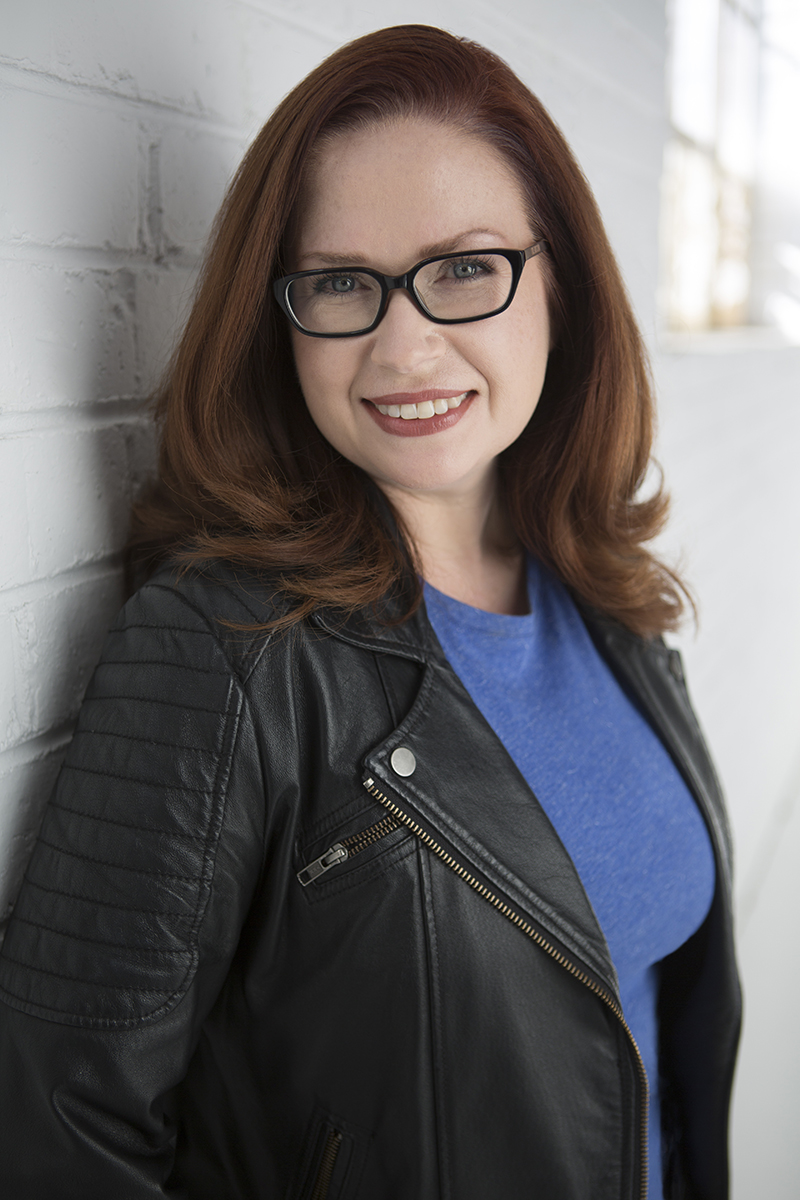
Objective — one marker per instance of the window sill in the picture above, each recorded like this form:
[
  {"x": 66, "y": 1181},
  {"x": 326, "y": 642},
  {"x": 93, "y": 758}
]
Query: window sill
[{"x": 725, "y": 341}]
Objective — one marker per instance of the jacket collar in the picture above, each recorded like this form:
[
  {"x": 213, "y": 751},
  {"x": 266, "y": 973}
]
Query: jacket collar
[{"x": 385, "y": 630}]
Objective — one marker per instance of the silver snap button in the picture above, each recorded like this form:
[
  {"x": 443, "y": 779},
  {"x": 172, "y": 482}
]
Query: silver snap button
[{"x": 403, "y": 761}]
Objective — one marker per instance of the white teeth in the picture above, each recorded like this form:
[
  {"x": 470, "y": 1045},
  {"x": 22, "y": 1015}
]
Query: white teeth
[{"x": 424, "y": 410}]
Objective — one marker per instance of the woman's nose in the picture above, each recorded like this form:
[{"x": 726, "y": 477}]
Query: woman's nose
[{"x": 405, "y": 339}]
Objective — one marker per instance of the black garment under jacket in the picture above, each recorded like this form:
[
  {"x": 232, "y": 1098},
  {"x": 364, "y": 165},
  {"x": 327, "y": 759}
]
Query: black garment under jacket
[{"x": 434, "y": 1017}]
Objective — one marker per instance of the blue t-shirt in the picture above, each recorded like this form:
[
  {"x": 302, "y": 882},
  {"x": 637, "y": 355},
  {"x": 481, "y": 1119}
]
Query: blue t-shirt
[{"x": 608, "y": 785}]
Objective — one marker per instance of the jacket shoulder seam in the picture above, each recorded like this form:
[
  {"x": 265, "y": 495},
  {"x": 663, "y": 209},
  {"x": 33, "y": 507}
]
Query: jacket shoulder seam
[{"x": 236, "y": 667}]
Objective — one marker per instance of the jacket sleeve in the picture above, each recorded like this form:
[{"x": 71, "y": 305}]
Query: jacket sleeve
[{"x": 130, "y": 911}]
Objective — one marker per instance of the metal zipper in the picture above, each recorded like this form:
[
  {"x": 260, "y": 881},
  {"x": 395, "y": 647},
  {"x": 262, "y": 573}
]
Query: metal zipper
[
  {"x": 326, "y": 1164},
  {"x": 540, "y": 941},
  {"x": 339, "y": 852}
]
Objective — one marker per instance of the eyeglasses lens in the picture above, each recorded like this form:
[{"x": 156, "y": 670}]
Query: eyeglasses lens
[
  {"x": 452, "y": 289},
  {"x": 335, "y": 302},
  {"x": 455, "y": 288}
]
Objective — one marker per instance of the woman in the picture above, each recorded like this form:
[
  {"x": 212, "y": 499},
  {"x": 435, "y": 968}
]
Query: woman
[{"x": 342, "y": 893}]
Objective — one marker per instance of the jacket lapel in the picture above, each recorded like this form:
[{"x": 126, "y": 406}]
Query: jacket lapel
[{"x": 467, "y": 794}]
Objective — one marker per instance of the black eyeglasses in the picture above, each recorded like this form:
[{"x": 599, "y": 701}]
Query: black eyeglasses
[{"x": 450, "y": 289}]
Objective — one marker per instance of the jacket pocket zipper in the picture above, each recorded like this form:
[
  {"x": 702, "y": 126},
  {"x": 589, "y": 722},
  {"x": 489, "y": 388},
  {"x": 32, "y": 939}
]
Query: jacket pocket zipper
[
  {"x": 541, "y": 941},
  {"x": 339, "y": 852},
  {"x": 326, "y": 1164}
]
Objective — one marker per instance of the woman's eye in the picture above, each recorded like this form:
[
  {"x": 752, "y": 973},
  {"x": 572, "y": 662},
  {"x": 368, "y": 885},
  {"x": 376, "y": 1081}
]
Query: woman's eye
[
  {"x": 337, "y": 285},
  {"x": 468, "y": 270}
]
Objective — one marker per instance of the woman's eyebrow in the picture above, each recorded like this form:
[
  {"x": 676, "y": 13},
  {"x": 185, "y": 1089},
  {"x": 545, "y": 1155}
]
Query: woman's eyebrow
[
  {"x": 334, "y": 260},
  {"x": 449, "y": 245},
  {"x": 446, "y": 246}
]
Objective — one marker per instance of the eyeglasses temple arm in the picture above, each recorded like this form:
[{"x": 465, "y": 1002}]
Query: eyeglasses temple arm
[{"x": 536, "y": 248}]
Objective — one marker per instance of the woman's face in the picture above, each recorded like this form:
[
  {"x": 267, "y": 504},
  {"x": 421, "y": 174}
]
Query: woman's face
[{"x": 386, "y": 198}]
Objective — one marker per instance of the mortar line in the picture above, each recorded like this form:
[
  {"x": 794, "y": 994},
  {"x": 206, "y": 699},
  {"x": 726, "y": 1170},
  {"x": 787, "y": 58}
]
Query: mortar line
[
  {"x": 15, "y": 595},
  {"x": 49, "y": 255},
  {"x": 52, "y": 84},
  {"x": 72, "y": 418},
  {"x": 37, "y": 748}
]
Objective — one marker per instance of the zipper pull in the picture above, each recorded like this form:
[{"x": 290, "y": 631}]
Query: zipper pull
[{"x": 336, "y": 854}]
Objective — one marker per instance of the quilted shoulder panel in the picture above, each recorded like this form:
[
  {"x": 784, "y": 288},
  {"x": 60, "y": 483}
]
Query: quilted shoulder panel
[{"x": 105, "y": 930}]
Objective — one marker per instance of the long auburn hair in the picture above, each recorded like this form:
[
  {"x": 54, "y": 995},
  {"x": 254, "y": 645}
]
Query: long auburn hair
[{"x": 245, "y": 476}]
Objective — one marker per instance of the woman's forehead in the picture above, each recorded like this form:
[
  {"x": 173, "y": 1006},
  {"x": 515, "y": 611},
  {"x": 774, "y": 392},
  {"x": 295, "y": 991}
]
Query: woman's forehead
[{"x": 409, "y": 181}]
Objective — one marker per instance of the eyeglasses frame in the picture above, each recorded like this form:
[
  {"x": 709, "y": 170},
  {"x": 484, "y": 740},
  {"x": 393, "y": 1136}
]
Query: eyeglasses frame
[{"x": 405, "y": 282}]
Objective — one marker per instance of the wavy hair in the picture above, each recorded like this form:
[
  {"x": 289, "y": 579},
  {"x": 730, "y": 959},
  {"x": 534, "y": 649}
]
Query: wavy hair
[{"x": 245, "y": 476}]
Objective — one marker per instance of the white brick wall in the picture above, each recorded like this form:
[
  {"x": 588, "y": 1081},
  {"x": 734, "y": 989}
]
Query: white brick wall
[{"x": 120, "y": 124}]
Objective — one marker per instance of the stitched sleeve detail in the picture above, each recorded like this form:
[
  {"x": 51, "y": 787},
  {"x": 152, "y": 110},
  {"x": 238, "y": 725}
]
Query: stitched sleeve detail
[
  {"x": 105, "y": 930},
  {"x": 127, "y": 824}
]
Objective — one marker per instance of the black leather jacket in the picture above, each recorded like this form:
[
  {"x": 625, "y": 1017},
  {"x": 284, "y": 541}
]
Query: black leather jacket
[{"x": 434, "y": 1015}]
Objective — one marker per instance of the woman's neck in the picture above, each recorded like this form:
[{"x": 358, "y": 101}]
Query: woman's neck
[{"x": 466, "y": 546}]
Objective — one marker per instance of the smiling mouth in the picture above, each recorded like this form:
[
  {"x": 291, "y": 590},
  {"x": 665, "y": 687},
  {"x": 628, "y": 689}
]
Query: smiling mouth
[{"x": 424, "y": 410}]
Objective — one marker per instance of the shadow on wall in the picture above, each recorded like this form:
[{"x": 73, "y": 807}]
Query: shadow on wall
[{"x": 100, "y": 298}]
